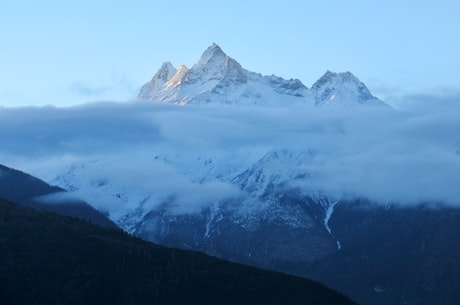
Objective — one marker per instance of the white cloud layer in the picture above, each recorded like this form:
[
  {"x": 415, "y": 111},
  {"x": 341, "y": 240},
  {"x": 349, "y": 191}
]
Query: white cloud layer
[{"x": 407, "y": 156}]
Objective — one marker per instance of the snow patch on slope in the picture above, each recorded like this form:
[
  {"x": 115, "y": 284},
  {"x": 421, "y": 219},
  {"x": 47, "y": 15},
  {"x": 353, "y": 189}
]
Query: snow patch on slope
[{"x": 328, "y": 204}]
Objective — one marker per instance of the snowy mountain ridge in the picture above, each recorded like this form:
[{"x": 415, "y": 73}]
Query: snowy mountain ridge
[{"x": 218, "y": 78}]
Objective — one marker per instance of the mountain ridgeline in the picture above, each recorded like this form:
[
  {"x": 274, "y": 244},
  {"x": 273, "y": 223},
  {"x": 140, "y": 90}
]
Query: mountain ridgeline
[{"x": 219, "y": 79}]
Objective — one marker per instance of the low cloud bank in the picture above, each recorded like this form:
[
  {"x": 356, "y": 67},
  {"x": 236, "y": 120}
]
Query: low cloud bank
[{"x": 410, "y": 155}]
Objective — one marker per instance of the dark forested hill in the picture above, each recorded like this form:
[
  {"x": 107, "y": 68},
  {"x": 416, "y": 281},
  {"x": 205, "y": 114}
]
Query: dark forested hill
[
  {"x": 25, "y": 189},
  {"x": 52, "y": 259}
]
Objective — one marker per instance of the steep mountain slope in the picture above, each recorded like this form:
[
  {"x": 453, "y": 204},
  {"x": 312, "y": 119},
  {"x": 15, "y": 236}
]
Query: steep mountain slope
[
  {"x": 26, "y": 189},
  {"x": 393, "y": 255},
  {"x": 51, "y": 259},
  {"x": 219, "y": 79}
]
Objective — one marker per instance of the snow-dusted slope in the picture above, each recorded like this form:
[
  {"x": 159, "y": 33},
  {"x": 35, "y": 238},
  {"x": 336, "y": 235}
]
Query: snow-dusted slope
[
  {"x": 286, "y": 172},
  {"x": 219, "y": 79},
  {"x": 185, "y": 185},
  {"x": 276, "y": 168}
]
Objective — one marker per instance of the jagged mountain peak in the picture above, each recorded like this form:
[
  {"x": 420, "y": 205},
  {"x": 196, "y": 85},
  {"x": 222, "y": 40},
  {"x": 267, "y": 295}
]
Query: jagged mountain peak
[
  {"x": 165, "y": 73},
  {"x": 339, "y": 77},
  {"x": 213, "y": 65},
  {"x": 213, "y": 50},
  {"x": 212, "y": 56},
  {"x": 342, "y": 88}
]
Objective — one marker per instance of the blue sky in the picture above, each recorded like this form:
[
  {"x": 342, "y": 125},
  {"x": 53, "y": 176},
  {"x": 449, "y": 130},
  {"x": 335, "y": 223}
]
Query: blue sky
[{"x": 72, "y": 52}]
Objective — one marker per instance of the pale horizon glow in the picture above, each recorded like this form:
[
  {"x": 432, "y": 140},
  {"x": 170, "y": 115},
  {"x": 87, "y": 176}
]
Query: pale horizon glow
[{"x": 69, "y": 53}]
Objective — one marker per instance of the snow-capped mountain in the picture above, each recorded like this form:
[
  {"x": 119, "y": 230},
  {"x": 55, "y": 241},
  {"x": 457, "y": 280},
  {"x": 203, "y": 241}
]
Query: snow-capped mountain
[
  {"x": 218, "y": 78},
  {"x": 342, "y": 88},
  {"x": 234, "y": 198}
]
